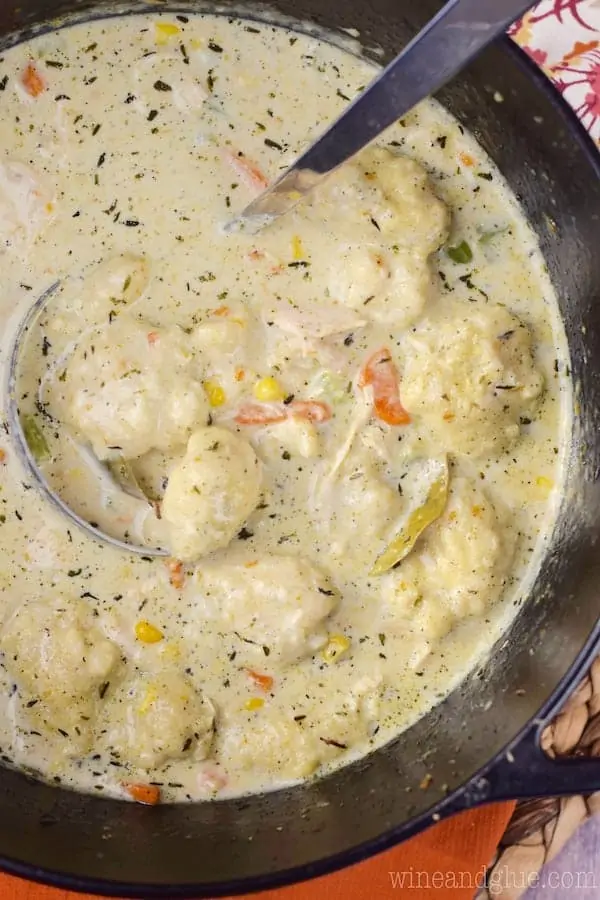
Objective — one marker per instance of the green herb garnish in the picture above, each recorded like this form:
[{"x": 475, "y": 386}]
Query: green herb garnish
[{"x": 462, "y": 253}]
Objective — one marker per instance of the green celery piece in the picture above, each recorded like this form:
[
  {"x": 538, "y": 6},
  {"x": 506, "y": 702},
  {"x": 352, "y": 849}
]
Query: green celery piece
[
  {"x": 462, "y": 253},
  {"x": 34, "y": 438},
  {"x": 419, "y": 519}
]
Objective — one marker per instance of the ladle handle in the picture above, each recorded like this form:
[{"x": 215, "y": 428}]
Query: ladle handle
[{"x": 460, "y": 30}]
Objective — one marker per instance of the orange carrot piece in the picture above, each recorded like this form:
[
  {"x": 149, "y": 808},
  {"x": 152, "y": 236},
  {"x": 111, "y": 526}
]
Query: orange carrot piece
[
  {"x": 466, "y": 159},
  {"x": 247, "y": 170},
  {"x": 176, "y": 573},
  {"x": 260, "y": 414},
  {"x": 153, "y": 337},
  {"x": 148, "y": 794},
  {"x": 256, "y": 254},
  {"x": 240, "y": 374},
  {"x": 264, "y": 682},
  {"x": 221, "y": 311},
  {"x": 3, "y": 456},
  {"x": 311, "y": 410},
  {"x": 381, "y": 374},
  {"x": 32, "y": 81},
  {"x": 272, "y": 413}
]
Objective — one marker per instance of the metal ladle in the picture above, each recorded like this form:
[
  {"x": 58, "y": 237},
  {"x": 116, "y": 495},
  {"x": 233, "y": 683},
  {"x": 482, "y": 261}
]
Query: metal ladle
[
  {"x": 117, "y": 475},
  {"x": 461, "y": 30},
  {"x": 458, "y": 33}
]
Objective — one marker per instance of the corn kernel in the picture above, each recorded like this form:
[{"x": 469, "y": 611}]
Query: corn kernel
[
  {"x": 544, "y": 484},
  {"x": 337, "y": 645},
  {"x": 268, "y": 389},
  {"x": 254, "y": 703},
  {"x": 165, "y": 30},
  {"x": 150, "y": 698},
  {"x": 297, "y": 248},
  {"x": 542, "y": 481},
  {"x": 148, "y": 633},
  {"x": 215, "y": 393}
]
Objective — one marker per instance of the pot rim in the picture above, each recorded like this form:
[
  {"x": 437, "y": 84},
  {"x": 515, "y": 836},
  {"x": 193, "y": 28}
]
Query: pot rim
[{"x": 459, "y": 799}]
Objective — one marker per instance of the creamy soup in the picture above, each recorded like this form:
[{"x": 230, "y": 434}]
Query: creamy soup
[{"x": 348, "y": 430}]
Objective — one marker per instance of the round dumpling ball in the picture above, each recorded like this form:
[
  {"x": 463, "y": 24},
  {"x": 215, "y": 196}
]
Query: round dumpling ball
[
  {"x": 153, "y": 718},
  {"x": 278, "y": 602},
  {"x": 458, "y": 567},
  {"x": 59, "y": 659},
  {"x": 130, "y": 388},
  {"x": 469, "y": 377},
  {"x": 210, "y": 493}
]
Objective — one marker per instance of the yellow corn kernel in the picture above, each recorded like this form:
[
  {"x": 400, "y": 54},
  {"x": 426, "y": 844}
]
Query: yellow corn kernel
[
  {"x": 148, "y": 633},
  {"x": 171, "y": 651},
  {"x": 254, "y": 703},
  {"x": 215, "y": 393},
  {"x": 165, "y": 30},
  {"x": 544, "y": 484},
  {"x": 268, "y": 389},
  {"x": 297, "y": 248},
  {"x": 337, "y": 645},
  {"x": 150, "y": 698}
]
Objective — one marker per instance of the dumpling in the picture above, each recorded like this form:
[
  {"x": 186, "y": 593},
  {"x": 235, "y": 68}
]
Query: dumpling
[
  {"x": 60, "y": 660},
  {"x": 130, "y": 388},
  {"x": 150, "y": 719},
  {"x": 277, "y": 747},
  {"x": 458, "y": 567},
  {"x": 278, "y": 602},
  {"x": 357, "y": 512},
  {"x": 382, "y": 263},
  {"x": 210, "y": 493},
  {"x": 469, "y": 376}
]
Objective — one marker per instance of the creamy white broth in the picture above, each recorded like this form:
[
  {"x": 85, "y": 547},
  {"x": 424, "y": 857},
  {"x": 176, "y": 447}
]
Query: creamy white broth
[{"x": 125, "y": 164}]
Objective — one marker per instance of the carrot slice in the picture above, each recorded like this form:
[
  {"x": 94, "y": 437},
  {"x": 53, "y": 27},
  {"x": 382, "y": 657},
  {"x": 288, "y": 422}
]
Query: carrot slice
[
  {"x": 264, "y": 682},
  {"x": 32, "y": 81},
  {"x": 381, "y": 374},
  {"x": 260, "y": 414},
  {"x": 176, "y": 573},
  {"x": 247, "y": 170},
  {"x": 148, "y": 794},
  {"x": 466, "y": 159},
  {"x": 272, "y": 413},
  {"x": 311, "y": 410}
]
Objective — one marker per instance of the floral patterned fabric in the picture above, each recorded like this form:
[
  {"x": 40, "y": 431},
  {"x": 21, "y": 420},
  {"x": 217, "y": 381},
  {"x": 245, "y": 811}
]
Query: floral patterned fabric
[
  {"x": 544, "y": 846},
  {"x": 563, "y": 37}
]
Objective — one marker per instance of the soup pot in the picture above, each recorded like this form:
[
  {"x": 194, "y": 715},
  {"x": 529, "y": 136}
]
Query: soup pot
[{"x": 482, "y": 742}]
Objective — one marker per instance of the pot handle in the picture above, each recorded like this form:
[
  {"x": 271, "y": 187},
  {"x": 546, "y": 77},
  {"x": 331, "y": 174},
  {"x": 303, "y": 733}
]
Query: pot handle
[{"x": 524, "y": 771}]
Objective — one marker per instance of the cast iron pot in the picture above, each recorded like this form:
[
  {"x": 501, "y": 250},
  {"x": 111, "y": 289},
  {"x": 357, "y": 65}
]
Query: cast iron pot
[{"x": 482, "y": 743}]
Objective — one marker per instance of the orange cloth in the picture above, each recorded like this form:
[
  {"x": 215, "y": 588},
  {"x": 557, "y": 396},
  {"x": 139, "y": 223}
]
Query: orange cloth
[{"x": 446, "y": 862}]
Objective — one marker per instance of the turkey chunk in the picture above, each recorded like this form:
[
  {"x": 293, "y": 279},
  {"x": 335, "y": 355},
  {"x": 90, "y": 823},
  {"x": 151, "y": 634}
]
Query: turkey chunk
[
  {"x": 280, "y": 602},
  {"x": 457, "y": 569},
  {"x": 469, "y": 376},
  {"x": 129, "y": 388},
  {"x": 152, "y": 719},
  {"x": 25, "y": 203},
  {"x": 60, "y": 660},
  {"x": 210, "y": 493}
]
